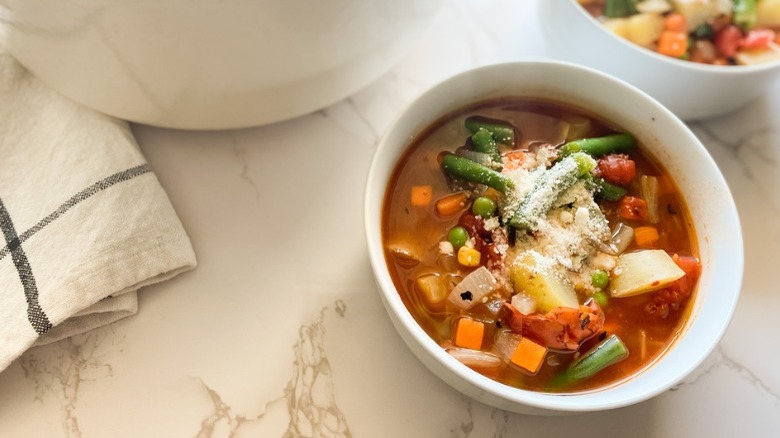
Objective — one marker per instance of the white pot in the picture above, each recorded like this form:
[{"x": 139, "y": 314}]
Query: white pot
[{"x": 210, "y": 64}]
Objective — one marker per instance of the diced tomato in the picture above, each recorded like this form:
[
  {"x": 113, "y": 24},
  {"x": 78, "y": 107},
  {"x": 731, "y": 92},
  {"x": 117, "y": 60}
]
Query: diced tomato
[
  {"x": 692, "y": 268},
  {"x": 514, "y": 159},
  {"x": 757, "y": 38},
  {"x": 562, "y": 328},
  {"x": 703, "y": 52},
  {"x": 672, "y": 43},
  {"x": 676, "y": 23},
  {"x": 727, "y": 41},
  {"x": 633, "y": 208},
  {"x": 673, "y": 297},
  {"x": 617, "y": 169}
]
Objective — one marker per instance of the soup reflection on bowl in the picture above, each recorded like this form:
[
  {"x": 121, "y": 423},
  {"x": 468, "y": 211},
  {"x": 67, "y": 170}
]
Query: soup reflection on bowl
[
  {"x": 696, "y": 58},
  {"x": 537, "y": 232}
]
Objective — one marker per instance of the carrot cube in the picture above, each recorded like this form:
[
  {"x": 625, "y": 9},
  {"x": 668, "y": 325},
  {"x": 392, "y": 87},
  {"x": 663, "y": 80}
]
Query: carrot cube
[
  {"x": 469, "y": 333},
  {"x": 421, "y": 195},
  {"x": 451, "y": 204},
  {"x": 529, "y": 355},
  {"x": 646, "y": 236}
]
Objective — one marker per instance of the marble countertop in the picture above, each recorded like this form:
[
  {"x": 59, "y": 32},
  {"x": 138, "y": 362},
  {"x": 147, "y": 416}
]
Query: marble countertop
[{"x": 280, "y": 330}]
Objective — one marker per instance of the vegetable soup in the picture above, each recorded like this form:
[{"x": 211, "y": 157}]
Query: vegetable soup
[
  {"x": 721, "y": 32},
  {"x": 539, "y": 245}
]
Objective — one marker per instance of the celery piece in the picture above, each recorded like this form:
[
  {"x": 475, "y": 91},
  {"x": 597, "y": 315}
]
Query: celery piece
[
  {"x": 745, "y": 15},
  {"x": 620, "y": 8}
]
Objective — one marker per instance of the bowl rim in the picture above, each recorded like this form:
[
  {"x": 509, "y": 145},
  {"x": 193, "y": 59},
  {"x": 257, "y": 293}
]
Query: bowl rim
[
  {"x": 376, "y": 183},
  {"x": 726, "y": 70}
]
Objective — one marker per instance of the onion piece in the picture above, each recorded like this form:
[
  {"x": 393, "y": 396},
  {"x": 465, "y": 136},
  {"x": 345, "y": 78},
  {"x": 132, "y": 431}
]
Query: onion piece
[
  {"x": 648, "y": 187},
  {"x": 653, "y": 6},
  {"x": 478, "y": 157},
  {"x": 505, "y": 343},
  {"x": 473, "y": 288},
  {"x": 431, "y": 287},
  {"x": 622, "y": 236},
  {"x": 475, "y": 358},
  {"x": 523, "y": 303},
  {"x": 405, "y": 255}
]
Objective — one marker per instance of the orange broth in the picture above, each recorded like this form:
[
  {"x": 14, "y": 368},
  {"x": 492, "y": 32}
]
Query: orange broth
[{"x": 418, "y": 229}]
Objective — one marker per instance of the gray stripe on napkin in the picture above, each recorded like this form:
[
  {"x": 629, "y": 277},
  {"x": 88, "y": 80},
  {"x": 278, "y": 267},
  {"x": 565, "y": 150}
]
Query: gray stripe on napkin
[
  {"x": 78, "y": 197},
  {"x": 35, "y": 314}
]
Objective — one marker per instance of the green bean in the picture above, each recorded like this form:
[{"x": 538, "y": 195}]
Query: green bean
[
  {"x": 745, "y": 15},
  {"x": 608, "y": 191},
  {"x": 599, "y": 146},
  {"x": 620, "y": 8},
  {"x": 703, "y": 31},
  {"x": 483, "y": 142},
  {"x": 548, "y": 187},
  {"x": 609, "y": 352},
  {"x": 464, "y": 168},
  {"x": 500, "y": 132}
]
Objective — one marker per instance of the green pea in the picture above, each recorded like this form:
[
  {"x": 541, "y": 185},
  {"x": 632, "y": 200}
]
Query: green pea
[
  {"x": 483, "y": 206},
  {"x": 601, "y": 298},
  {"x": 599, "y": 279},
  {"x": 458, "y": 236}
]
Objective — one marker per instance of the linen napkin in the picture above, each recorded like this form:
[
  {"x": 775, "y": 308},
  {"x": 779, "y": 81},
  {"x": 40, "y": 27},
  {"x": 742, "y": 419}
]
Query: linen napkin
[{"x": 84, "y": 220}]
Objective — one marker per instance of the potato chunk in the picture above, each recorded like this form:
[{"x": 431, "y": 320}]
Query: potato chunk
[
  {"x": 768, "y": 13},
  {"x": 530, "y": 274},
  {"x": 643, "y": 271}
]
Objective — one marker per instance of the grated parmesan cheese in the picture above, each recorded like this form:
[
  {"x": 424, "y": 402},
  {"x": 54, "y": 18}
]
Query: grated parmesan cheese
[
  {"x": 446, "y": 248},
  {"x": 565, "y": 237}
]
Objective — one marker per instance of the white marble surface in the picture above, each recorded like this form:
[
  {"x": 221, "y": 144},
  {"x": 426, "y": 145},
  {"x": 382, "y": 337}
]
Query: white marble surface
[{"x": 280, "y": 330}]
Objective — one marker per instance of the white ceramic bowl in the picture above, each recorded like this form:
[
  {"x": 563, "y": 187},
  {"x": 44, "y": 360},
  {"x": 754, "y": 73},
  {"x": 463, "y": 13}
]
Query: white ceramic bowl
[
  {"x": 211, "y": 64},
  {"x": 692, "y": 91},
  {"x": 667, "y": 138}
]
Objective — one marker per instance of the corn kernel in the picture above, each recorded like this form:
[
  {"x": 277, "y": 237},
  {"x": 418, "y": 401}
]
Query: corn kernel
[{"x": 468, "y": 256}]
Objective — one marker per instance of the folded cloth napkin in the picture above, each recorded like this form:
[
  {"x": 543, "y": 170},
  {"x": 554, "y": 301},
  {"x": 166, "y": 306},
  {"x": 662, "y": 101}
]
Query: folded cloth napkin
[{"x": 84, "y": 220}]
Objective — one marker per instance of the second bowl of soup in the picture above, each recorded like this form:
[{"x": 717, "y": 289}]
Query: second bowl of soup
[{"x": 537, "y": 232}]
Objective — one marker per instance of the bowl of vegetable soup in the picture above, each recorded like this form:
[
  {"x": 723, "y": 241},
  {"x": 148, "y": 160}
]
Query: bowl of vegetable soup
[
  {"x": 549, "y": 239},
  {"x": 700, "y": 58}
]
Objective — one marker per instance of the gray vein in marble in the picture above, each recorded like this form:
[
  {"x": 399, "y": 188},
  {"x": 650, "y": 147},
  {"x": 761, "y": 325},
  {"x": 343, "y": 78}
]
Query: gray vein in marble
[
  {"x": 223, "y": 414},
  {"x": 719, "y": 358},
  {"x": 467, "y": 425},
  {"x": 476, "y": 422},
  {"x": 240, "y": 153},
  {"x": 741, "y": 149},
  {"x": 501, "y": 420},
  {"x": 64, "y": 366},
  {"x": 738, "y": 146},
  {"x": 309, "y": 394},
  {"x": 369, "y": 132},
  {"x": 341, "y": 308}
]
